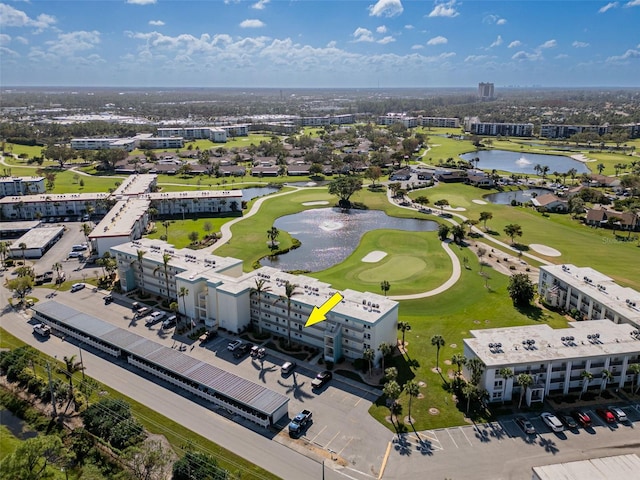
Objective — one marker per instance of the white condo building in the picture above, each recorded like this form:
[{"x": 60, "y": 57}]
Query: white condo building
[
  {"x": 555, "y": 358},
  {"x": 21, "y": 186},
  {"x": 593, "y": 294},
  {"x": 215, "y": 291}
]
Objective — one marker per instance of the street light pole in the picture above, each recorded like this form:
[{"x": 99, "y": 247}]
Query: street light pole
[{"x": 81, "y": 362}]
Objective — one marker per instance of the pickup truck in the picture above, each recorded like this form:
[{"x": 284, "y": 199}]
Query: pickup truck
[
  {"x": 42, "y": 329},
  {"x": 299, "y": 423}
]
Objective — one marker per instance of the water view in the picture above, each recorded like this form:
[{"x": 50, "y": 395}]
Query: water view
[
  {"x": 505, "y": 198},
  {"x": 523, "y": 163},
  {"x": 255, "y": 192},
  {"x": 329, "y": 235}
]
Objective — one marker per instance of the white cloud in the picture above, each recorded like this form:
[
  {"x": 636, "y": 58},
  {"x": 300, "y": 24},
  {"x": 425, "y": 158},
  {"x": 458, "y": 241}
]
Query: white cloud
[
  {"x": 381, "y": 29},
  {"x": 7, "y": 52},
  {"x": 386, "y": 8},
  {"x": 260, "y": 4},
  {"x": 522, "y": 55},
  {"x": 491, "y": 19},
  {"x": 5, "y": 39},
  {"x": 439, "y": 40},
  {"x": 69, "y": 44},
  {"x": 476, "y": 58},
  {"x": 502, "y": 21},
  {"x": 417, "y": 47},
  {"x": 409, "y": 27},
  {"x": 633, "y": 3},
  {"x": 561, "y": 56},
  {"x": 578, "y": 44},
  {"x": 549, "y": 44},
  {"x": 362, "y": 35},
  {"x": 141, "y": 2},
  {"x": 251, "y": 23},
  {"x": 444, "y": 9},
  {"x": 608, "y": 7},
  {"x": 515, "y": 44},
  {"x": 12, "y": 17},
  {"x": 629, "y": 54},
  {"x": 156, "y": 23},
  {"x": 387, "y": 39},
  {"x": 332, "y": 44},
  {"x": 22, "y": 40},
  {"x": 497, "y": 42}
]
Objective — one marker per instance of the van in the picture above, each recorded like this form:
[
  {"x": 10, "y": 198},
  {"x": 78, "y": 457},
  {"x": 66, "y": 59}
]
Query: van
[{"x": 169, "y": 322}]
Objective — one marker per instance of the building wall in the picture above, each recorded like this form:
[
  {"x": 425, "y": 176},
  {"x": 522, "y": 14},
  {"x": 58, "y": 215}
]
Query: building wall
[{"x": 21, "y": 186}]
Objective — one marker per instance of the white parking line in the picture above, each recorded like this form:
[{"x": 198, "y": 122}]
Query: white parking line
[
  {"x": 465, "y": 436},
  {"x": 345, "y": 446},
  {"x": 313, "y": 439},
  {"x": 334, "y": 437},
  {"x": 454, "y": 442}
]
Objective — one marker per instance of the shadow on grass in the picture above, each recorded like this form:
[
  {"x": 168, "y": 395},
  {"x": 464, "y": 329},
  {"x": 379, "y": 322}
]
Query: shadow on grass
[{"x": 533, "y": 312}]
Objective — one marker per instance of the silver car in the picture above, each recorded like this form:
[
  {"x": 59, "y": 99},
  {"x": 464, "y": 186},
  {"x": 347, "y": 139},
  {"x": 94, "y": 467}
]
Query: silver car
[{"x": 618, "y": 413}]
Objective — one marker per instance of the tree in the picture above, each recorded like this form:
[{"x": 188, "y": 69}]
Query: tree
[
  {"x": 404, "y": 327},
  {"x": 4, "y": 252},
  {"x": 373, "y": 173},
  {"x": 86, "y": 230},
  {"x": 438, "y": 342},
  {"x": 344, "y": 188},
  {"x": 20, "y": 286},
  {"x": 525, "y": 381},
  {"x": 471, "y": 223},
  {"x": 290, "y": 290},
  {"x": 148, "y": 461},
  {"x": 513, "y": 230},
  {"x": 260, "y": 288},
  {"x": 576, "y": 206},
  {"x": 607, "y": 376},
  {"x": 198, "y": 465},
  {"x": 600, "y": 168},
  {"x": 586, "y": 376},
  {"x": 385, "y": 286},
  {"x": 413, "y": 390},
  {"x": 634, "y": 369},
  {"x": 476, "y": 367},
  {"x": 506, "y": 373},
  {"x": 471, "y": 392},
  {"x": 392, "y": 391},
  {"x": 441, "y": 203},
  {"x": 23, "y": 246},
  {"x": 385, "y": 350},
  {"x": 166, "y": 224},
  {"x": 443, "y": 231},
  {"x": 57, "y": 267},
  {"x": 272, "y": 235},
  {"x": 368, "y": 355},
  {"x": 33, "y": 459},
  {"x": 391, "y": 373},
  {"x": 459, "y": 360},
  {"x": 184, "y": 292},
  {"x": 193, "y": 236},
  {"x": 458, "y": 233},
  {"x": 422, "y": 200},
  {"x": 484, "y": 217},
  {"x": 521, "y": 289}
]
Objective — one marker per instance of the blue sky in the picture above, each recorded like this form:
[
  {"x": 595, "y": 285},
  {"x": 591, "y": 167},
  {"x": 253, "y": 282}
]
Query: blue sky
[{"x": 319, "y": 43}]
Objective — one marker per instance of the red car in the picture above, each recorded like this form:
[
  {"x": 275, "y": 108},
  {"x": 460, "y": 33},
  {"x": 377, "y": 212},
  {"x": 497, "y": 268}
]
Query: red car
[
  {"x": 581, "y": 417},
  {"x": 606, "y": 415}
]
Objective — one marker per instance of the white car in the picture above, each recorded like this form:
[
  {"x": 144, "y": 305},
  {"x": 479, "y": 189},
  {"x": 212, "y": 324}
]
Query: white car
[
  {"x": 77, "y": 286},
  {"x": 154, "y": 318},
  {"x": 233, "y": 345},
  {"x": 552, "y": 421},
  {"x": 75, "y": 254},
  {"x": 618, "y": 413}
]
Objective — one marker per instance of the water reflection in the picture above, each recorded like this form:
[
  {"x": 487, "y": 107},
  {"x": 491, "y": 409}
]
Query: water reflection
[
  {"x": 329, "y": 235},
  {"x": 505, "y": 198},
  {"x": 255, "y": 192},
  {"x": 523, "y": 163}
]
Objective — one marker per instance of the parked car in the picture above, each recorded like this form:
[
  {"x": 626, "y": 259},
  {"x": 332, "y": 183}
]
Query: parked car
[
  {"x": 606, "y": 415},
  {"x": 258, "y": 352},
  {"x": 242, "y": 350},
  {"x": 77, "y": 286},
  {"x": 154, "y": 318},
  {"x": 618, "y": 413},
  {"x": 232, "y": 345},
  {"x": 169, "y": 322},
  {"x": 300, "y": 422},
  {"x": 287, "y": 368},
  {"x": 321, "y": 379},
  {"x": 141, "y": 312},
  {"x": 581, "y": 417},
  {"x": 526, "y": 426},
  {"x": 568, "y": 421},
  {"x": 108, "y": 299},
  {"x": 552, "y": 421},
  {"x": 42, "y": 330},
  {"x": 208, "y": 335},
  {"x": 75, "y": 254}
]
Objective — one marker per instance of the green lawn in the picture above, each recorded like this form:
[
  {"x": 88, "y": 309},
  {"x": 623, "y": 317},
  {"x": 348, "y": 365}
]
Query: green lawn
[
  {"x": 179, "y": 230},
  {"x": 8, "y": 442},
  {"x": 155, "y": 423}
]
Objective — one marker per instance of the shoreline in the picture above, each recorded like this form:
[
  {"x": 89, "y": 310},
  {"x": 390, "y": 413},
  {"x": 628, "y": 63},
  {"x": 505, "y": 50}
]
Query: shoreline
[{"x": 581, "y": 157}]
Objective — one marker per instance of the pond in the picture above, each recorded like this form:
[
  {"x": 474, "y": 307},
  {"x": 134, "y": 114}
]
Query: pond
[
  {"x": 255, "y": 192},
  {"x": 15, "y": 425},
  {"x": 523, "y": 163},
  {"x": 329, "y": 235},
  {"x": 504, "y": 198}
]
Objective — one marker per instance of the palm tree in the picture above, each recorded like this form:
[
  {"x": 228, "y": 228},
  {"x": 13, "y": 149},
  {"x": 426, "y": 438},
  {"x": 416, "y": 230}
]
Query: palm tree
[
  {"x": 272, "y": 234},
  {"x": 4, "y": 251},
  {"x": 368, "y": 355},
  {"x": 459, "y": 360},
  {"x": 469, "y": 390},
  {"x": 391, "y": 373},
  {"x": 506, "y": 373},
  {"x": 607, "y": 376},
  {"x": 71, "y": 367},
  {"x": 525, "y": 381},
  {"x": 634, "y": 369},
  {"x": 404, "y": 327},
  {"x": 600, "y": 168},
  {"x": 476, "y": 367},
  {"x": 438, "y": 342},
  {"x": 260, "y": 288},
  {"x": 392, "y": 391},
  {"x": 141, "y": 254},
  {"x": 184, "y": 291},
  {"x": 586, "y": 376},
  {"x": 289, "y": 291},
  {"x": 413, "y": 390},
  {"x": 57, "y": 267},
  {"x": 166, "y": 224},
  {"x": 385, "y": 350},
  {"x": 385, "y": 286},
  {"x": 23, "y": 246},
  {"x": 86, "y": 229}
]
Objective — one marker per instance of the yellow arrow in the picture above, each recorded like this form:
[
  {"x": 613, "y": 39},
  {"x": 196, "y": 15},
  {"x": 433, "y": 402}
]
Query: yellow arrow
[{"x": 318, "y": 314}]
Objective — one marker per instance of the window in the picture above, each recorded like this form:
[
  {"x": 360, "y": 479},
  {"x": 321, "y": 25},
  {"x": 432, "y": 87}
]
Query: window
[{"x": 497, "y": 384}]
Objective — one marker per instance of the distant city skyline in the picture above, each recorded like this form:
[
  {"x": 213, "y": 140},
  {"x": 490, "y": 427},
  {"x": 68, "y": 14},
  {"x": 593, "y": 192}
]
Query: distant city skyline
[{"x": 319, "y": 44}]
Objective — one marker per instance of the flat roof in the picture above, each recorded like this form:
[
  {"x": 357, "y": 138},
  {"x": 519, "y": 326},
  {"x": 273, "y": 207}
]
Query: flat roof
[
  {"x": 18, "y": 226},
  {"x": 613, "y": 296},
  {"x": 608, "y": 468},
  {"x": 21, "y": 179},
  {"x": 37, "y": 238},
  {"x": 54, "y": 197},
  {"x": 136, "y": 185},
  {"x": 239, "y": 389},
  {"x": 120, "y": 220},
  {"x": 223, "y": 194},
  {"x": 552, "y": 344}
]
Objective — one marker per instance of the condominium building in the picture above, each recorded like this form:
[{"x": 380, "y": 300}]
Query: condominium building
[
  {"x": 474, "y": 126},
  {"x": 485, "y": 91},
  {"x": 135, "y": 185},
  {"x": 215, "y": 134},
  {"x": 592, "y": 294},
  {"x": 326, "y": 120},
  {"x": 566, "y": 131},
  {"x": 214, "y": 290},
  {"x": 403, "y": 118},
  {"x": 21, "y": 186},
  {"x": 144, "y": 140},
  {"x": 441, "y": 122},
  {"x": 126, "y": 221},
  {"x": 29, "y": 207},
  {"x": 555, "y": 358},
  {"x": 195, "y": 201}
]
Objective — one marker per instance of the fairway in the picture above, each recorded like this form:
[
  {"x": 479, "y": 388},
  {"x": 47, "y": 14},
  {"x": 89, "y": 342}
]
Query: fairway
[{"x": 402, "y": 268}]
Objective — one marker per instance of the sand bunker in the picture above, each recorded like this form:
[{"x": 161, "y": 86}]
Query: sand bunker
[
  {"x": 544, "y": 250},
  {"x": 455, "y": 209},
  {"x": 375, "y": 256},
  {"x": 319, "y": 202},
  {"x": 479, "y": 202}
]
